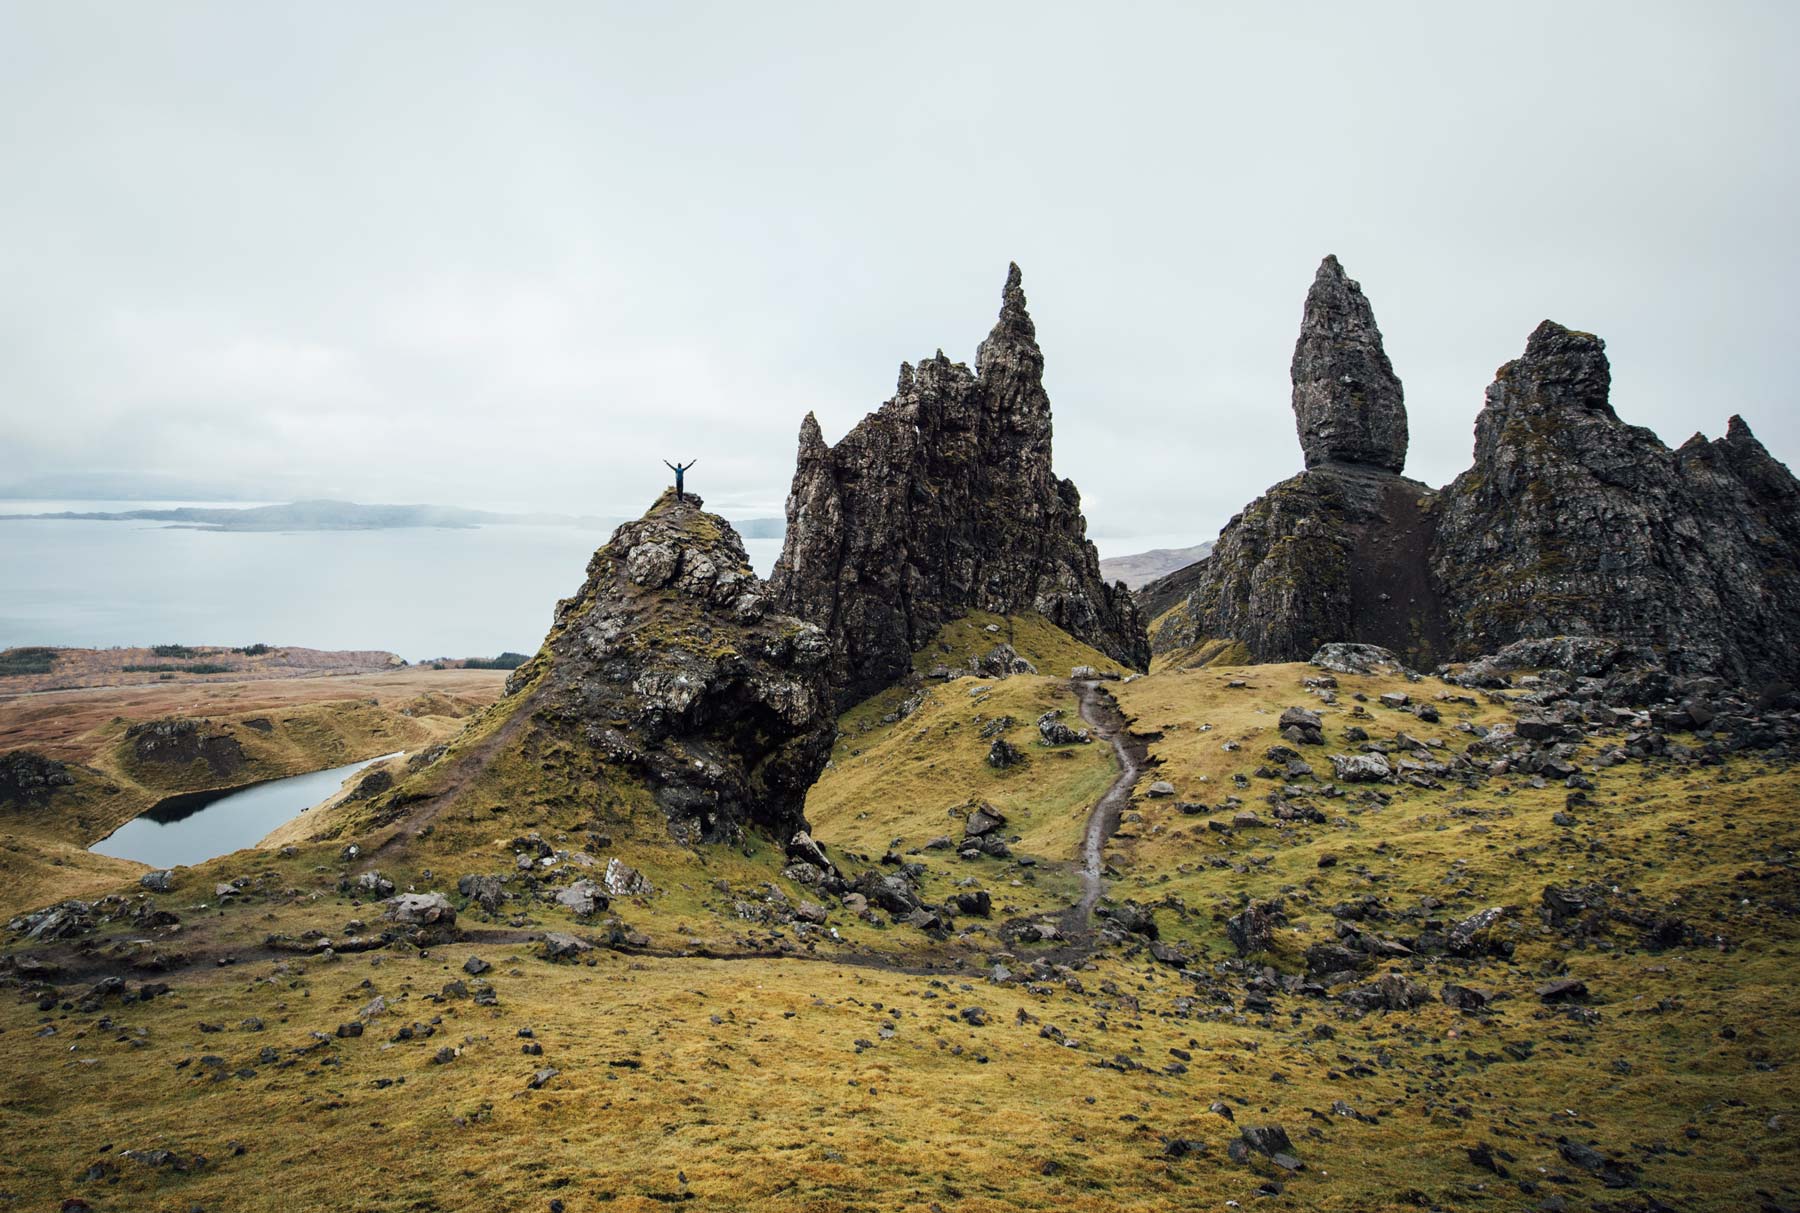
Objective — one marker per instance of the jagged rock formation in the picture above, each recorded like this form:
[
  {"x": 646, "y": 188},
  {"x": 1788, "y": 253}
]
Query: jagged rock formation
[
  {"x": 1570, "y": 523},
  {"x": 1348, "y": 405},
  {"x": 1339, "y": 551},
  {"x": 27, "y": 777},
  {"x": 671, "y": 663},
  {"x": 940, "y": 502},
  {"x": 1574, "y": 523}
]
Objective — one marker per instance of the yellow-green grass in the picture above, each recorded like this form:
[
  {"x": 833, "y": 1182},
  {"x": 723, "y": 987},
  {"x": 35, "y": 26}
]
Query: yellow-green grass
[
  {"x": 1682, "y": 1064},
  {"x": 904, "y": 784},
  {"x": 43, "y": 855},
  {"x": 742, "y": 1083}
]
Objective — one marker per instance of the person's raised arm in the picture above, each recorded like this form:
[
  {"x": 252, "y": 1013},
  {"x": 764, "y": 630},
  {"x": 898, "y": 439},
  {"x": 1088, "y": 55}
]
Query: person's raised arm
[{"x": 670, "y": 466}]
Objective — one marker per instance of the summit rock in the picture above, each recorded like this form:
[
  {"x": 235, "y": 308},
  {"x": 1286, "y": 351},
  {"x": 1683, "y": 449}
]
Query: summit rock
[
  {"x": 1338, "y": 552},
  {"x": 667, "y": 679},
  {"x": 1348, "y": 403},
  {"x": 940, "y": 502}
]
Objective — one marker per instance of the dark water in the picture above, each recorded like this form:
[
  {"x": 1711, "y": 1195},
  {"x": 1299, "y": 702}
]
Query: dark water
[{"x": 201, "y": 825}]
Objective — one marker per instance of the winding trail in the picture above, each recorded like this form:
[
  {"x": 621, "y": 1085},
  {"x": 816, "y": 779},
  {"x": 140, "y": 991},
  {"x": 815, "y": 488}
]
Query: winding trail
[{"x": 1101, "y": 711}]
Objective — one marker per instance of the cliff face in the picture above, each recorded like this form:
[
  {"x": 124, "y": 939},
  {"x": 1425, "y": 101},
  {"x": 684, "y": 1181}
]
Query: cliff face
[
  {"x": 940, "y": 502},
  {"x": 1572, "y": 522},
  {"x": 1569, "y": 523},
  {"x": 1339, "y": 551},
  {"x": 672, "y": 663}
]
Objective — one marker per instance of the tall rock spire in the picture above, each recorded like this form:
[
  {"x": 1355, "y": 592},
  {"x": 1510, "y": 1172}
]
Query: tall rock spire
[
  {"x": 1348, "y": 403},
  {"x": 943, "y": 501}
]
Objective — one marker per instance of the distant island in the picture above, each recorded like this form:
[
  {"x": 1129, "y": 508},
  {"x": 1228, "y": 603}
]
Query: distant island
[{"x": 326, "y": 515}]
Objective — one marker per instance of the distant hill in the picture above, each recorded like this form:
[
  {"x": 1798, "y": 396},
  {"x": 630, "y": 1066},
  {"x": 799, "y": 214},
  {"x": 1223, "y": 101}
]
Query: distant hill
[{"x": 1141, "y": 568}]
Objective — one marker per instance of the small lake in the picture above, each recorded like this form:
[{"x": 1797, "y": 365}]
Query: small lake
[{"x": 201, "y": 825}]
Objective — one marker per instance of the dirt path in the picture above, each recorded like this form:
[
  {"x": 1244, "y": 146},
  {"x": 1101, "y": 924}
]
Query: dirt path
[{"x": 1102, "y": 712}]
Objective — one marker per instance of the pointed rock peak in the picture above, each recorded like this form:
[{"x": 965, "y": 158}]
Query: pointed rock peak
[
  {"x": 1563, "y": 368},
  {"x": 1013, "y": 332},
  {"x": 1349, "y": 406},
  {"x": 810, "y": 434},
  {"x": 904, "y": 382},
  {"x": 1738, "y": 430},
  {"x": 1553, "y": 338}
]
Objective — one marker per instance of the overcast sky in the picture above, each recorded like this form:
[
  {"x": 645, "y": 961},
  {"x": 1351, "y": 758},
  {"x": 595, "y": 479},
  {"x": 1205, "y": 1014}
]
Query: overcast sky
[{"x": 514, "y": 255}]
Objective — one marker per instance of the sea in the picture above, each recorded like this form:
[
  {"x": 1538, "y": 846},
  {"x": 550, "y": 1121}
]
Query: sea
[{"x": 418, "y": 592}]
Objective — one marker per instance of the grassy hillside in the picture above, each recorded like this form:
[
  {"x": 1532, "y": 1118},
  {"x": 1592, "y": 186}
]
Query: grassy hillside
[
  {"x": 717, "y": 1056},
  {"x": 253, "y": 732}
]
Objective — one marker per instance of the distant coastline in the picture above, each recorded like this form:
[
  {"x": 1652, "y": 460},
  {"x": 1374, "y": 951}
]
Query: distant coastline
[{"x": 328, "y": 515}]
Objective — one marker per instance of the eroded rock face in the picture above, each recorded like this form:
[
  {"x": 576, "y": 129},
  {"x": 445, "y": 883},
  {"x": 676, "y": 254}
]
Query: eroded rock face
[
  {"x": 670, "y": 663},
  {"x": 1572, "y": 522},
  {"x": 940, "y": 502},
  {"x": 1339, "y": 552},
  {"x": 1348, "y": 404},
  {"x": 1336, "y": 553}
]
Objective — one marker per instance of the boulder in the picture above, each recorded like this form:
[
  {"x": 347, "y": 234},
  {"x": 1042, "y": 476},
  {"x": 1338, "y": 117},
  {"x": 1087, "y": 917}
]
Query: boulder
[
  {"x": 563, "y": 947},
  {"x": 1055, "y": 732},
  {"x": 582, "y": 899},
  {"x": 1361, "y": 768}
]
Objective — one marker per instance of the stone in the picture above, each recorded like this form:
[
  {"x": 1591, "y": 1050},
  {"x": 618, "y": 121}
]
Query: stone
[
  {"x": 1054, "y": 732},
  {"x": 1361, "y": 768},
  {"x": 622, "y": 880},
  {"x": 158, "y": 882},
  {"x": 1253, "y": 929},
  {"x": 421, "y": 910},
  {"x": 485, "y": 891},
  {"x": 944, "y": 501},
  {"x": 543, "y": 1076},
  {"x": 1161, "y": 789},
  {"x": 1266, "y": 1139},
  {"x": 983, "y": 820},
  {"x": 559, "y": 946},
  {"x": 374, "y": 884},
  {"x": 1563, "y": 989},
  {"x": 1348, "y": 403},
  {"x": 1389, "y": 992},
  {"x": 1003, "y": 754},
  {"x": 1346, "y": 658},
  {"x": 582, "y": 899}
]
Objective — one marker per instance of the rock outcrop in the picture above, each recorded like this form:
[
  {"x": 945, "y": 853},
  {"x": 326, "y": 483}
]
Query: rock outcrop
[
  {"x": 671, "y": 664},
  {"x": 724, "y": 700},
  {"x": 940, "y": 502},
  {"x": 1574, "y": 523},
  {"x": 1338, "y": 552},
  {"x": 1348, "y": 405},
  {"x": 27, "y": 777},
  {"x": 1571, "y": 523}
]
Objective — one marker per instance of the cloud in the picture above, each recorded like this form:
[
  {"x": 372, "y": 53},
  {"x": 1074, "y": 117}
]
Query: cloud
[{"x": 514, "y": 259}]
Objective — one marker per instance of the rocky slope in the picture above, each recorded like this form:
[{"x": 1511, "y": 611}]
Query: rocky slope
[
  {"x": 1573, "y": 522},
  {"x": 940, "y": 502},
  {"x": 1339, "y": 551},
  {"x": 669, "y": 672},
  {"x": 1570, "y": 522}
]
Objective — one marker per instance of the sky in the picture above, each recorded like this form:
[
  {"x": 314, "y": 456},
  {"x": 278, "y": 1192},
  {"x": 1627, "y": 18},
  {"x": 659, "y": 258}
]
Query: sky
[{"x": 513, "y": 257}]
